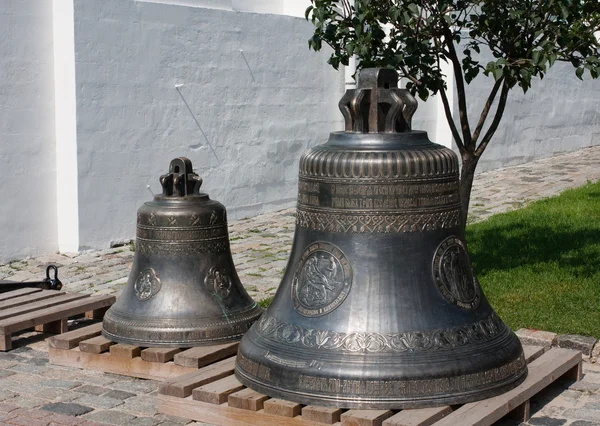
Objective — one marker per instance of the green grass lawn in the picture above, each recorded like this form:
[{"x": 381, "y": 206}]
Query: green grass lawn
[{"x": 540, "y": 266}]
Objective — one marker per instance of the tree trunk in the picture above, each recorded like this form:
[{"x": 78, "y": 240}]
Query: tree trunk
[{"x": 467, "y": 173}]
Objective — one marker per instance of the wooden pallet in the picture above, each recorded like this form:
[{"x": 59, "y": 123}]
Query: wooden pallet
[
  {"x": 213, "y": 395},
  {"x": 45, "y": 310},
  {"x": 86, "y": 348}
]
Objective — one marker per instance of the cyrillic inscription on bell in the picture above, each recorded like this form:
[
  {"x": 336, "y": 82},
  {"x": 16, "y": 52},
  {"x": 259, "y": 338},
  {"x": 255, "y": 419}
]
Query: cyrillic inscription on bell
[
  {"x": 183, "y": 289},
  {"x": 379, "y": 307}
]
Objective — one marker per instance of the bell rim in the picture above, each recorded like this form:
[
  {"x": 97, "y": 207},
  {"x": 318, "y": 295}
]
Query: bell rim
[{"x": 391, "y": 403}]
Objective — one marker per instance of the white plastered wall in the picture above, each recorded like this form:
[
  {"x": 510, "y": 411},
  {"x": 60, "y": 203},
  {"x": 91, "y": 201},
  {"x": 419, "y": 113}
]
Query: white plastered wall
[
  {"x": 252, "y": 99},
  {"x": 27, "y": 149}
]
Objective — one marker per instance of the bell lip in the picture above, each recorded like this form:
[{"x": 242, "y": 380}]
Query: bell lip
[
  {"x": 380, "y": 402},
  {"x": 171, "y": 344},
  {"x": 243, "y": 319}
]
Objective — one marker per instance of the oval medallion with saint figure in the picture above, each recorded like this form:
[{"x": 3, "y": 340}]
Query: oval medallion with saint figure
[
  {"x": 453, "y": 274},
  {"x": 322, "y": 280}
]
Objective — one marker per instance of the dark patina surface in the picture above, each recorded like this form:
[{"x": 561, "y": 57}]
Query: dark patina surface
[
  {"x": 183, "y": 289},
  {"x": 379, "y": 307}
]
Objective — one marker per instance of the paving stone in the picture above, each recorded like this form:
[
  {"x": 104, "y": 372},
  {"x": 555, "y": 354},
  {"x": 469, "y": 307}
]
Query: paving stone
[
  {"x": 57, "y": 395},
  {"x": 143, "y": 421},
  {"x": 584, "y": 386},
  {"x": 582, "y": 414},
  {"x": 546, "y": 421},
  {"x": 6, "y": 394},
  {"x": 6, "y": 373},
  {"x": 61, "y": 384},
  {"x": 91, "y": 390},
  {"x": 143, "y": 405},
  {"x": 117, "y": 394},
  {"x": 98, "y": 401},
  {"x": 536, "y": 337},
  {"x": 584, "y": 423},
  {"x": 68, "y": 408},
  {"x": 28, "y": 402},
  {"x": 136, "y": 386},
  {"x": 7, "y": 407},
  {"x": 111, "y": 417},
  {"x": 584, "y": 344},
  {"x": 164, "y": 419}
]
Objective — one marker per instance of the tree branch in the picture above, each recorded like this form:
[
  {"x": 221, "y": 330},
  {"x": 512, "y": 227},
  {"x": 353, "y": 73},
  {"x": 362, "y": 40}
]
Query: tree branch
[
  {"x": 450, "y": 120},
  {"x": 460, "y": 88},
  {"x": 497, "y": 117},
  {"x": 486, "y": 110}
]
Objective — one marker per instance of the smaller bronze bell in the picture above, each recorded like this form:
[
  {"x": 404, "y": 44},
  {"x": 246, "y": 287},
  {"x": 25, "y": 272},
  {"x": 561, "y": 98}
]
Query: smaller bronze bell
[{"x": 183, "y": 289}]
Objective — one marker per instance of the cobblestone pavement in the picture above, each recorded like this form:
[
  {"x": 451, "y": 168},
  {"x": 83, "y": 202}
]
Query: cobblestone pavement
[{"x": 34, "y": 392}]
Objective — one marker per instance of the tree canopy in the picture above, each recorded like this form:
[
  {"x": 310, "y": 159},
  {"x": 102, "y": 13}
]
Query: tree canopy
[{"x": 525, "y": 39}]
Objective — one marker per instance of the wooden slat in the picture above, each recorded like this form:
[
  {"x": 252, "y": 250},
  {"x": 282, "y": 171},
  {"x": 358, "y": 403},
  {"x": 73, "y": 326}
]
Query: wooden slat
[
  {"x": 125, "y": 351},
  {"x": 182, "y": 386},
  {"x": 532, "y": 352},
  {"x": 50, "y": 300},
  {"x": 327, "y": 415},
  {"x": 247, "y": 399},
  {"x": 224, "y": 415},
  {"x": 420, "y": 417},
  {"x": 542, "y": 372},
  {"x": 135, "y": 367},
  {"x": 204, "y": 355},
  {"x": 95, "y": 345},
  {"x": 217, "y": 392},
  {"x": 29, "y": 298},
  {"x": 18, "y": 293},
  {"x": 159, "y": 354},
  {"x": 31, "y": 319},
  {"x": 280, "y": 407},
  {"x": 365, "y": 417},
  {"x": 71, "y": 339}
]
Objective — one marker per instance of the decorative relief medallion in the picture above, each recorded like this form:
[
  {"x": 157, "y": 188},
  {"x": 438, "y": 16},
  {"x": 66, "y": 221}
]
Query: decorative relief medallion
[
  {"x": 363, "y": 342},
  {"x": 322, "y": 280},
  {"x": 147, "y": 284},
  {"x": 453, "y": 274},
  {"x": 218, "y": 282},
  {"x": 345, "y": 222}
]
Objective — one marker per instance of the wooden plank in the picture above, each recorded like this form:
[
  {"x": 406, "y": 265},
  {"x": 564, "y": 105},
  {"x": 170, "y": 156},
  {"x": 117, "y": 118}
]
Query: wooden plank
[
  {"x": 217, "y": 392},
  {"x": 107, "y": 363},
  {"x": 125, "y": 351},
  {"x": 182, "y": 386},
  {"x": 532, "y": 353},
  {"x": 327, "y": 415},
  {"x": 29, "y": 298},
  {"x": 17, "y": 293},
  {"x": 159, "y": 354},
  {"x": 365, "y": 417},
  {"x": 95, "y": 345},
  {"x": 204, "y": 355},
  {"x": 542, "y": 372},
  {"x": 51, "y": 300},
  {"x": 247, "y": 399},
  {"x": 55, "y": 327},
  {"x": 281, "y": 407},
  {"x": 71, "y": 339},
  {"x": 5, "y": 342},
  {"x": 223, "y": 415},
  {"x": 31, "y": 319},
  {"x": 418, "y": 417}
]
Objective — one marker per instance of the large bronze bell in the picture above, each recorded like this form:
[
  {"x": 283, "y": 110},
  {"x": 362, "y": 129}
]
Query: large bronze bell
[
  {"x": 183, "y": 289},
  {"x": 379, "y": 307}
]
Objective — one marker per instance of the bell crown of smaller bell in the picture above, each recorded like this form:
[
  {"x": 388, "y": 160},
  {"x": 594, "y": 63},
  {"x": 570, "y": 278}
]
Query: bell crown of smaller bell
[
  {"x": 181, "y": 181},
  {"x": 377, "y": 105}
]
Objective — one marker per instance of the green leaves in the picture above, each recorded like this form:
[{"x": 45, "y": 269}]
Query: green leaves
[{"x": 525, "y": 37}]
